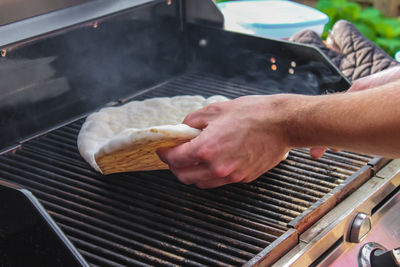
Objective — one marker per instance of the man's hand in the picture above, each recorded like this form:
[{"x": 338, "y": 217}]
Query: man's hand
[
  {"x": 245, "y": 137},
  {"x": 240, "y": 140},
  {"x": 376, "y": 80}
]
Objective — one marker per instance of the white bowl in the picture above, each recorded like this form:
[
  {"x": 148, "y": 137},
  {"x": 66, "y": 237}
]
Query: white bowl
[{"x": 271, "y": 18}]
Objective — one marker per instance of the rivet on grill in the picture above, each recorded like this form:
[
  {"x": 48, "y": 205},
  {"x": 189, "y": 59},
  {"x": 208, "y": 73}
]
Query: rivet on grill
[
  {"x": 293, "y": 64},
  {"x": 274, "y": 67},
  {"x": 203, "y": 43},
  {"x": 3, "y": 52},
  {"x": 272, "y": 60},
  {"x": 291, "y": 71},
  {"x": 95, "y": 25}
]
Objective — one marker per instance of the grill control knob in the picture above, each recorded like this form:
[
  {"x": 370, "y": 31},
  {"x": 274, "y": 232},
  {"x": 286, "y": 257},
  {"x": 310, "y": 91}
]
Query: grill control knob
[
  {"x": 374, "y": 255},
  {"x": 360, "y": 227}
]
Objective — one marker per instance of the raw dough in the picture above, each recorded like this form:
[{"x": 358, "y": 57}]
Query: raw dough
[{"x": 125, "y": 138}]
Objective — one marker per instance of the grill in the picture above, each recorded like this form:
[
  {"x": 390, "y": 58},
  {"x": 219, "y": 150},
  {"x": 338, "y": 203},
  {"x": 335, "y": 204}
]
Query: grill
[
  {"x": 149, "y": 218},
  {"x": 56, "y": 211}
]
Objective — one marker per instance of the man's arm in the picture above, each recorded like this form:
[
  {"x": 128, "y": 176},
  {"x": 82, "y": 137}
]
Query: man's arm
[
  {"x": 364, "y": 121},
  {"x": 368, "y": 82},
  {"x": 245, "y": 137}
]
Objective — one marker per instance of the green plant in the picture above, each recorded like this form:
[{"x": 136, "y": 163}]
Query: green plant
[{"x": 385, "y": 32}]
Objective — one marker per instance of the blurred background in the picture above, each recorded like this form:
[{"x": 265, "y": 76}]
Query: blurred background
[{"x": 378, "y": 20}]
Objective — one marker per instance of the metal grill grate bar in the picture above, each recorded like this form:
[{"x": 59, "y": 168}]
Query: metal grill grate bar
[
  {"x": 221, "y": 198},
  {"x": 104, "y": 262},
  {"x": 118, "y": 220},
  {"x": 156, "y": 190},
  {"x": 332, "y": 163},
  {"x": 175, "y": 243},
  {"x": 105, "y": 253},
  {"x": 332, "y": 177},
  {"x": 100, "y": 194},
  {"x": 319, "y": 183},
  {"x": 118, "y": 245},
  {"x": 240, "y": 208}
]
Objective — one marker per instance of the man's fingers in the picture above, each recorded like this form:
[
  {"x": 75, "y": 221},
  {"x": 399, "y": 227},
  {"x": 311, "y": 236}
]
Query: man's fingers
[
  {"x": 179, "y": 156},
  {"x": 317, "y": 152},
  {"x": 194, "y": 174},
  {"x": 234, "y": 177},
  {"x": 216, "y": 182},
  {"x": 199, "y": 119},
  {"x": 205, "y": 172},
  {"x": 196, "y": 120},
  {"x": 161, "y": 153}
]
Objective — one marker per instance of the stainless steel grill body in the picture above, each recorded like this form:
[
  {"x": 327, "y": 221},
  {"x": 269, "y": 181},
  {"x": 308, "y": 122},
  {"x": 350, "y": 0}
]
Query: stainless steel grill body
[{"x": 100, "y": 53}]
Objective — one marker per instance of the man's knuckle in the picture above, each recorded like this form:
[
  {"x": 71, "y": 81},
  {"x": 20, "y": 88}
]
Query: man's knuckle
[
  {"x": 219, "y": 171},
  {"x": 247, "y": 180},
  {"x": 213, "y": 108},
  {"x": 202, "y": 185},
  {"x": 206, "y": 153},
  {"x": 189, "y": 117},
  {"x": 171, "y": 162},
  {"x": 236, "y": 177},
  {"x": 185, "y": 180}
]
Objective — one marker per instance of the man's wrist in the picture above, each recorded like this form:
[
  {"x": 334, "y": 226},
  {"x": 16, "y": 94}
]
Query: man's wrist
[
  {"x": 302, "y": 120},
  {"x": 290, "y": 114}
]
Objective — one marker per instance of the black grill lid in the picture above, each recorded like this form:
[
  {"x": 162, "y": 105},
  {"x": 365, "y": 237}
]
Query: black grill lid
[{"x": 12, "y": 11}]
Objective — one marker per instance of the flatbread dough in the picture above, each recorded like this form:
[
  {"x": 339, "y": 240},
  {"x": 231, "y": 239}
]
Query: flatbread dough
[{"x": 126, "y": 138}]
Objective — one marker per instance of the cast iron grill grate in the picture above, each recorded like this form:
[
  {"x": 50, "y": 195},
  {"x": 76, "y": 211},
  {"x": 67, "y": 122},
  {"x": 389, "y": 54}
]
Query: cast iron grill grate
[{"x": 149, "y": 218}]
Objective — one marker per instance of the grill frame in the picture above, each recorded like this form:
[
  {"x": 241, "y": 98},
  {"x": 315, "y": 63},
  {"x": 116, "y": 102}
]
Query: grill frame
[{"x": 197, "y": 48}]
